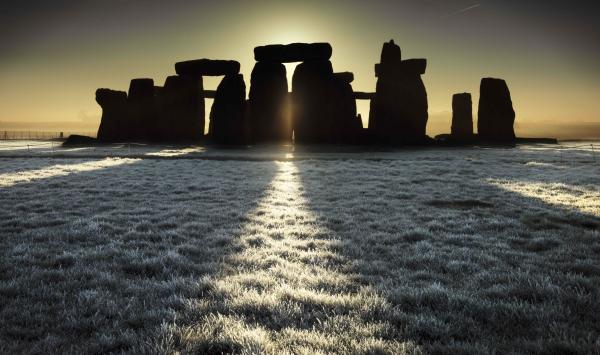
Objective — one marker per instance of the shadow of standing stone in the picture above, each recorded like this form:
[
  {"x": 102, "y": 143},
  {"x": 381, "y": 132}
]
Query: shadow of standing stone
[{"x": 496, "y": 116}]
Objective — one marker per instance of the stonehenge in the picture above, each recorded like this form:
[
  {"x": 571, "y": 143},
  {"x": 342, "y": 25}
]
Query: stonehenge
[
  {"x": 496, "y": 116},
  {"x": 320, "y": 107},
  {"x": 462, "y": 116}
]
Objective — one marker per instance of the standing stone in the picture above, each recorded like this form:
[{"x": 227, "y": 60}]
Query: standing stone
[
  {"x": 462, "y": 116},
  {"x": 313, "y": 118},
  {"x": 141, "y": 105},
  {"x": 114, "y": 114},
  {"x": 269, "y": 104},
  {"x": 347, "y": 126},
  {"x": 496, "y": 116},
  {"x": 227, "y": 115},
  {"x": 295, "y": 52},
  {"x": 399, "y": 110},
  {"x": 181, "y": 109}
]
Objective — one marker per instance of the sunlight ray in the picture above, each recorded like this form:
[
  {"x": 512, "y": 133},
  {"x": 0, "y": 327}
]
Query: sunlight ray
[
  {"x": 10, "y": 179},
  {"x": 581, "y": 198},
  {"x": 287, "y": 287}
]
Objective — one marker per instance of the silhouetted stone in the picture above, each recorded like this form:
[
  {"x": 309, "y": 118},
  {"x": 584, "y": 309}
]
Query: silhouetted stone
[
  {"x": 359, "y": 95},
  {"x": 399, "y": 110},
  {"x": 406, "y": 67},
  {"x": 462, "y": 116},
  {"x": 269, "y": 103},
  {"x": 347, "y": 126},
  {"x": 346, "y": 77},
  {"x": 391, "y": 53},
  {"x": 75, "y": 139},
  {"x": 295, "y": 52},
  {"x": 141, "y": 108},
  {"x": 312, "y": 115},
  {"x": 114, "y": 114},
  {"x": 207, "y": 67},
  {"x": 180, "y": 109},
  {"x": 227, "y": 115},
  {"x": 496, "y": 116}
]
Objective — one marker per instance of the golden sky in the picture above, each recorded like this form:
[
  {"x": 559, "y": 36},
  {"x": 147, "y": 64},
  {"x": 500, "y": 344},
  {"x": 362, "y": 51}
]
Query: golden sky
[{"x": 56, "y": 56}]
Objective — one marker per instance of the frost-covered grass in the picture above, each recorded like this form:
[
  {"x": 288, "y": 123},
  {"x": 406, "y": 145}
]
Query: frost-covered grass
[{"x": 412, "y": 251}]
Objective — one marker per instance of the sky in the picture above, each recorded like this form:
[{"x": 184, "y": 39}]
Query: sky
[{"x": 56, "y": 54}]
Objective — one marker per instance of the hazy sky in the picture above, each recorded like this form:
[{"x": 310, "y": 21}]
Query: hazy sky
[{"x": 56, "y": 53}]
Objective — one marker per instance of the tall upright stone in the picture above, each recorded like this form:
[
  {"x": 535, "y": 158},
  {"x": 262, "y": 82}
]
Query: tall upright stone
[
  {"x": 496, "y": 116},
  {"x": 312, "y": 87},
  {"x": 114, "y": 114},
  {"x": 399, "y": 111},
  {"x": 462, "y": 116},
  {"x": 269, "y": 115},
  {"x": 180, "y": 109},
  {"x": 141, "y": 107},
  {"x": 347, "y": 126},
  {"x": 227, "y": 116}
]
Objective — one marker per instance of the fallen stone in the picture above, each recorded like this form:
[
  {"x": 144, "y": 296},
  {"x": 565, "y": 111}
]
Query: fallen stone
[
  {"x": 496, "y": 116},
  {"x": 207, "y": 67},
  {"x": 78, "y": 140},
  {"x": 295, "y": 52},
  {"x": 462, "y": 116}
]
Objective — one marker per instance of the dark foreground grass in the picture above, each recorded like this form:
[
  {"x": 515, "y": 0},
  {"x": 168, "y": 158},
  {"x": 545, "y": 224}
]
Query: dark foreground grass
[{"x": 431, "y": 252}]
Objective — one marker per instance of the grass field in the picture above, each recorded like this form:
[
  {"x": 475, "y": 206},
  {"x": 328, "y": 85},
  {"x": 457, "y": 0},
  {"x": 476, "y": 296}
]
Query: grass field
[{"x": 412, "y": 251}]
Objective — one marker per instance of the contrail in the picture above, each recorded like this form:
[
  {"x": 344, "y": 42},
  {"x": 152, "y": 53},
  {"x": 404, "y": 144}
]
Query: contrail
[{"x": 462, "y": 10}]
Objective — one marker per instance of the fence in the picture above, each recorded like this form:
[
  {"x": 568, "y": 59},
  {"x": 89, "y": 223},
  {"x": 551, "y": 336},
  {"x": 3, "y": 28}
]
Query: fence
[
  {"x": 595, "y": 148},
  {"x": 39, "y": 135}
]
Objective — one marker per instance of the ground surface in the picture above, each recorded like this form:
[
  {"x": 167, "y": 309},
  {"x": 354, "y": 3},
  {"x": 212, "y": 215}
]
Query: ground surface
[{"x": 164, "y": 249}]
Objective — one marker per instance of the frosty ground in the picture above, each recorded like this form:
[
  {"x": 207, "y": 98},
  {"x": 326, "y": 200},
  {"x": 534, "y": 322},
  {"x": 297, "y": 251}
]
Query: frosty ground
[{"x": 184, "y": 249}]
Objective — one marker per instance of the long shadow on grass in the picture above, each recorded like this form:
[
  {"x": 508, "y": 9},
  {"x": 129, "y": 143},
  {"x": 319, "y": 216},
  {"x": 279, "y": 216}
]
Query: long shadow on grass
[
  {"x": 96, "y": 261},
  {"x": 463, "y": 264}
]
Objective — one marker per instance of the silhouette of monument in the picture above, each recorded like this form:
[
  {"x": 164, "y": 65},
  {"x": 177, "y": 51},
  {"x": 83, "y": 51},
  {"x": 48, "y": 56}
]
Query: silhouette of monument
[
  {"x": 462, "y": 117},
  {"x": 496, "y": 116},
  {"x": 320, "y": 109}
]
